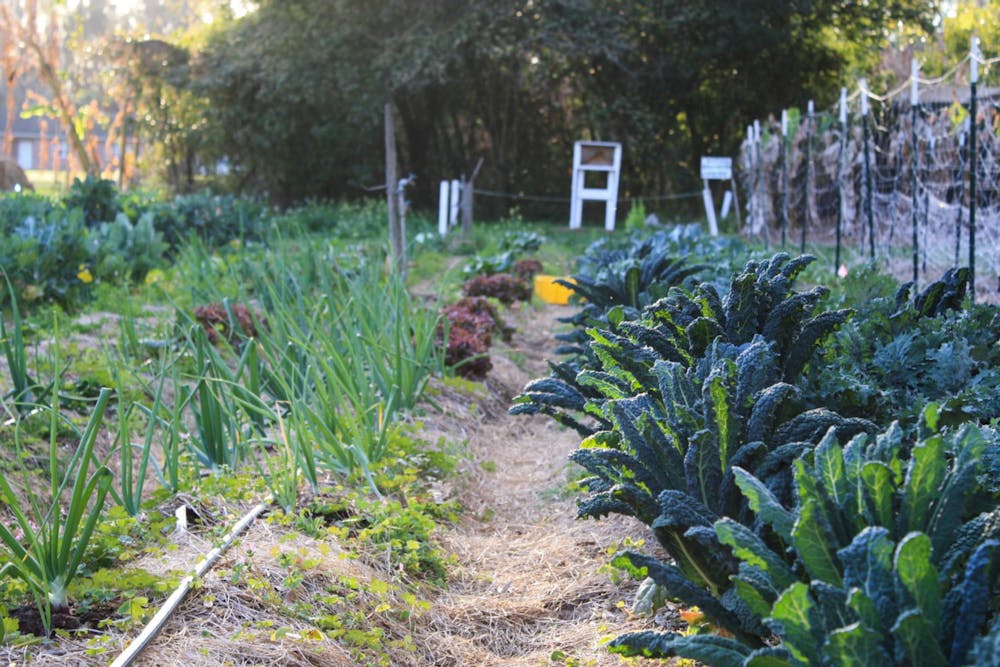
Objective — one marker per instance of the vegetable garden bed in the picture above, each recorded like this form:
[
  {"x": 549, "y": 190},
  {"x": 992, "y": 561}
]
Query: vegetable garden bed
[{"x": 788, "y": 446}]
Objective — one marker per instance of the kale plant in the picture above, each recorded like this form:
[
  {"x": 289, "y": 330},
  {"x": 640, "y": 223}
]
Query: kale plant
[
  {"x": 698, "y": 386},
  {"x": 888, "y": 557},
  {"x": 681, "y": 327},
  {"x": 898, "y": 354}
]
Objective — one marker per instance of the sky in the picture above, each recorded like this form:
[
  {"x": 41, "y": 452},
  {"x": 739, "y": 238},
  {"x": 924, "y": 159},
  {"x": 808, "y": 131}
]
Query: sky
[{"x": 240, "y": 7}]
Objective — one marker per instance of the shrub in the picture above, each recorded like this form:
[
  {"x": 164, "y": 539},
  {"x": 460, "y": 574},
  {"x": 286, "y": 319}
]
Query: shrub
[{"x": 96, "y": 197}]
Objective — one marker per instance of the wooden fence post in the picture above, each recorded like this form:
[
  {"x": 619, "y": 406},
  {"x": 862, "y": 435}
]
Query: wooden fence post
[
  {"x": 396, "y": 238},
  {"x": 468, "y": 190}
]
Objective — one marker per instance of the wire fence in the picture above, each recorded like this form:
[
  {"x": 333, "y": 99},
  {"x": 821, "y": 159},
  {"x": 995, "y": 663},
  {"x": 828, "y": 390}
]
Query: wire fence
[{"x": 911, "y": 177}]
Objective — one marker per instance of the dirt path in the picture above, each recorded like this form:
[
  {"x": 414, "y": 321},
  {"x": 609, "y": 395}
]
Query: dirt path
[{"x": 532, "y": 581}]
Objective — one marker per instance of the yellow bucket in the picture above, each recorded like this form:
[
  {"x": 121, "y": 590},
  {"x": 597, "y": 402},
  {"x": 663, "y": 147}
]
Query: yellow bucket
[{"x": 549, "y": 292}]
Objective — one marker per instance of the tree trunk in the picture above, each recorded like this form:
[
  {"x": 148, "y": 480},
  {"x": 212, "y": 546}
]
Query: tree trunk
[
  {"x": 66, "y": 112},
  {"x": 396, "y": 239},
  {"x": 8, "y": 130}
]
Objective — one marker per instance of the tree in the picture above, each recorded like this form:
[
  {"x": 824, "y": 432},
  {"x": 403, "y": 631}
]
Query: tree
[
  {"x": 11, "y": 65},
  {"x": 296, "y": 89},
  {"x": 21, "y": 23}
]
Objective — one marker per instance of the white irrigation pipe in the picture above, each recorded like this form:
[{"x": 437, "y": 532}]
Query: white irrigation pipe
[{"x": 155, "y": 624}]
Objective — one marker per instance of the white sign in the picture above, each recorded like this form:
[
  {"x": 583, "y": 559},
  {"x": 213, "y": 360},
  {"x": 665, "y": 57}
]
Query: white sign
[{"x": 716, "y": 168}]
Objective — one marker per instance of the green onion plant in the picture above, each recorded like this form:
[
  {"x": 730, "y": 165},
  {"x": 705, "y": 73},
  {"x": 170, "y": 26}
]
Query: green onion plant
[{"x": 54, "y": 531}]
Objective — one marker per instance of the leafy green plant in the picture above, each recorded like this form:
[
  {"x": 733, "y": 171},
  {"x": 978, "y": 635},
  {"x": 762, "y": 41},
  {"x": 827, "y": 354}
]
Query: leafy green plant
[
  {"x": 624, "y": 280},
  {"x": 699, "y": 386},
  {"x": 97, "y": 198},
  {"x": 48, "y": 258},
  {"x": 899, "y": 353},
  {"x": 682, "y": 328},
  {"x": 17, "y": 207},
  {"x": 889, "y": 557},
  {"x": 215, "y": 220},
  {"x": 513, "y": 245},
  {"x": 503, "y": 287},
  {"x": 345, "y": 220},
  {"x": 726, "y": 255},
  {"x": 55, "y": 531},
  {"x": 126, "y": 252},
  {"x": 636, "y": 218}
]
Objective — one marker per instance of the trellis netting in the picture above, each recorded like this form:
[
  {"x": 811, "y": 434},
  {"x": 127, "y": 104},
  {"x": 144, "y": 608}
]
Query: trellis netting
[{"x": 911, "y": 177}]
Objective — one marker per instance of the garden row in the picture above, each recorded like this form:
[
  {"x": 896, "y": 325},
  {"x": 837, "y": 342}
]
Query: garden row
[
  {"x": 821, "y": 467},
  {"x": 61, "y": 251},
  {"x": 289, "y": 359},
  {"x": 58, "y": 250}
]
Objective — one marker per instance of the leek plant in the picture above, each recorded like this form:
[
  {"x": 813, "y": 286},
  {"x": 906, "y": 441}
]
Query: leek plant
[
  {"x": 341, "y": 349},
  {"x": 281, "y": 472},
  {"x": 55, "y": 531},
  {"x": 170, "y": 420},
  {"x": 135, "y": 471},
  {"x": 128, "y": 336},
  {"x": 220, "y": 441},
  {"x": 12, "y": 341}
]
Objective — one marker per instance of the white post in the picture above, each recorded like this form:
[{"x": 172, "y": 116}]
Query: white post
[
  {"x": 784, "y": 122},
  {"x": 611, "y": 207},
  {"x": 758, "y": 223},
  {"x": 443, "y": 208},
  {"x": 456, "y": 193},
  {"x": 914, "y": 83},
  {"x": 863, "y": 86},
  {"x": 706, "y": 196},
  {"x": 843, "y": 107},
  {"x": 752, "y": 196},
  {"x": 727, "y": 202},
  {"x": 974, "y": 60},
  {"x": 575, "y": 202}
]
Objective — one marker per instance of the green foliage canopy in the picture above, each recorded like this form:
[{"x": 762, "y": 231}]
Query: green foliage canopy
[{"x": 297, "y": 87}]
